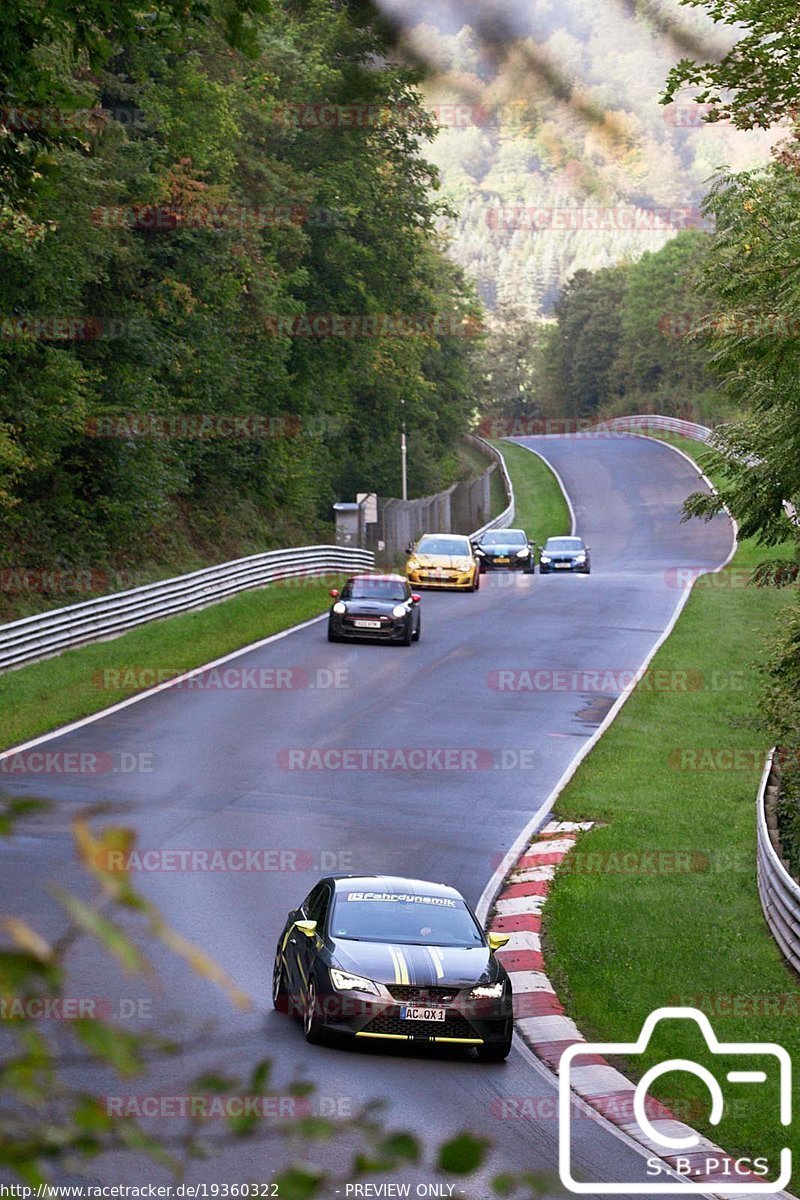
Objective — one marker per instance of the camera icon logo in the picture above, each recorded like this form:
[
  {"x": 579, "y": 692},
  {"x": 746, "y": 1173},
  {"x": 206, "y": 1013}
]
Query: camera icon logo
[{"x": 677, "y": 1141}]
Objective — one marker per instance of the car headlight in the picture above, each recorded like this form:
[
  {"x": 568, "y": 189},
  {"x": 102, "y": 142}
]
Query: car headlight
[
  {"x": 464, "y": 564},
  {"x": 487, "y": 991},
  {"x": 339, "y": 607},
  {"x": 399, "y": 610},
  {"x": 479, "y": 552},
  {"x": 343, "y": 981},
  {"x": 523, "y": 553},
  {"x": 544, "y": 558},
  {"x": 581, "y": 557},
  {"x": 412, "y": 565}
]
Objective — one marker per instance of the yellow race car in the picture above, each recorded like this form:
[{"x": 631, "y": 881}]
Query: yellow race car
[{"x": 443, "y": 560}]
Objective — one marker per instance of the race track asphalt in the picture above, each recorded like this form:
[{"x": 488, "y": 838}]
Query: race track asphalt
[{"x": 218, "y": 773}]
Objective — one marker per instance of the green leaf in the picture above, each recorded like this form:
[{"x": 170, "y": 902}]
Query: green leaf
[
  {"x": 463, "y": 1154},
  {"x": 402, "y": 1147},
  {"x": 298, "y": 1183},
  {"x": 106, "y": 932},
  {"x": 122, "y": 1050}
]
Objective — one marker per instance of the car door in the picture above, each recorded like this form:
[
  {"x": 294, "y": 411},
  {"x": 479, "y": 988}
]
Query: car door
[{"x": 305, "y": 949}]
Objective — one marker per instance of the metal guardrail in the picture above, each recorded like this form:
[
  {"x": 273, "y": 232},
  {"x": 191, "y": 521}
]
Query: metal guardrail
[
  {"x": 643, "y": 422},
  {"x": 48, "y": 633},
  {"x": 779, "y": 892},
  {"x": 506, "y": 517}
]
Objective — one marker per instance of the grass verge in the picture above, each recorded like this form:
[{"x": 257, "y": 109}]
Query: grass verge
[
  {"x": 540, "y": 506},
  {"x": 674, "y": 782},
  {"x": 47, "y": 694}
]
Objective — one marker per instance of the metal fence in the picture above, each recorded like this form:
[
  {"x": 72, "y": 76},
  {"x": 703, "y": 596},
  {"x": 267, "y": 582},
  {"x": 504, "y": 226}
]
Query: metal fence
[
  {"x": 779, "y": 892},
  {"x": 644, "y": 422},
  {"x": 464, "y": 507},
  {"x": 48, "y": 633}
]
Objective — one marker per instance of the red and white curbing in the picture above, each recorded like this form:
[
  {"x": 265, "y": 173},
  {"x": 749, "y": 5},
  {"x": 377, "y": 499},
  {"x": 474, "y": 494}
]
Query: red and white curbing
[{"x": 540, "y": 1018}]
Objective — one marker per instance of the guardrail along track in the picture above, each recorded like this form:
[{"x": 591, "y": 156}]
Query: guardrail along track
[
  {"x": 48, "y": 633},
  {"x": 779, "y": 892}
]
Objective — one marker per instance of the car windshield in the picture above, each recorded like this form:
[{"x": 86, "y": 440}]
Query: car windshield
[
  {"x": 565, "y": 543},
  {"x": 374, "y": 589},
  {"x": 504, "y": 537},
  {"x": 443, "y": 545},
  {"x": 404, "y": 919}
]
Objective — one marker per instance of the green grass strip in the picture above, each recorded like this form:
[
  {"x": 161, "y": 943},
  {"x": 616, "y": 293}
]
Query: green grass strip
[
  {"x": 674, "y": 781},
  {"x": 47, "y": 694}
]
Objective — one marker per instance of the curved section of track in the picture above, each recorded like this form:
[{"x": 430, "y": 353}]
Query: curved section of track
[{"x": 261, "y": 770}]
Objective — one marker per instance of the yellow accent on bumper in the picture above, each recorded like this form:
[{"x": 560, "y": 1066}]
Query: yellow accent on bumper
[{"x": 409, "y": 1037}]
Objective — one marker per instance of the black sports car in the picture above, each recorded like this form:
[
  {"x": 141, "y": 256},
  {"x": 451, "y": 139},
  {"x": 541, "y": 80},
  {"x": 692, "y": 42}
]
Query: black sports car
[
  {"x": 393, "y": 959},
  {"x": 375, "y": 606},
  {"x": 505, "y": 549},
  {"x": 565, "y": 554}
]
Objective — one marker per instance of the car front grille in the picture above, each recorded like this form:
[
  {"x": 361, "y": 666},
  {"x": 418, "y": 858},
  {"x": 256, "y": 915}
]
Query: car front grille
[
  {"x": 425, "y": 996},
  {"x": 455, "y": 1026}
]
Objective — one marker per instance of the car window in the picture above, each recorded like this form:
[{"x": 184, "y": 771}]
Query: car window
[
  {"x": 564, "y": 543},
  {"x": 316, "y": 908},
  {"x": 404, "y": 919},
  {"x": 504, "y": 537},
  {"x": 443, "y": 545},
  {"x": 375, "y": 589}
]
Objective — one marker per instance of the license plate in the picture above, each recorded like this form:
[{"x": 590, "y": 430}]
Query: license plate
[
  {"x": 563, "y": 566},
  {"x": 409, "y": 1013},
  {"x": 500, "y": 558},
  {"x": 367, "y": 624}
]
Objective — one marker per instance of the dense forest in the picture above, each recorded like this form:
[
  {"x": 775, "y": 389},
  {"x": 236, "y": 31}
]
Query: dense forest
[
  {"x": 554, "y": 151},
  {"x": 222, "y": 281}
]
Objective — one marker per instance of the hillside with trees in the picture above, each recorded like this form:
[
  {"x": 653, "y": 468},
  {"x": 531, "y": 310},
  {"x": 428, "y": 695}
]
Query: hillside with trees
[{"x": 214, "y": 301}]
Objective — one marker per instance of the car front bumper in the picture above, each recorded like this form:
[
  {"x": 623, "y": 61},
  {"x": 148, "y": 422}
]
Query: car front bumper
[
  {"x": 428, "y": 577},
  {"x": 373, "y": 1018},
  {"x": 393, "y": 630}
]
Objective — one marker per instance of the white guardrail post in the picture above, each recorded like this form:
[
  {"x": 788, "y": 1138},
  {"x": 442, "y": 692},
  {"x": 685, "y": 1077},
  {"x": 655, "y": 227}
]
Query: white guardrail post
[
  {"x": 779, "y": 892},
  {"x": 48, "y": 633}
]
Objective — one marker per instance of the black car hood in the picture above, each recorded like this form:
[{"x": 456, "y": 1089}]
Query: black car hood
[
  {"x": 423, "y": 966},
  {"x": 508, "y": 551}
]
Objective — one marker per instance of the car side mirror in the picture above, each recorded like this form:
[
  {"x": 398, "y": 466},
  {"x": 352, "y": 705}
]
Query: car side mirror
[
  {"x": 309, "y": 928},
  {"x": 415, "y": 599},
  {"x": 410, "y": 548},
  {"x": 334, "y": 592},
  {"x": 498, "y": 940}
]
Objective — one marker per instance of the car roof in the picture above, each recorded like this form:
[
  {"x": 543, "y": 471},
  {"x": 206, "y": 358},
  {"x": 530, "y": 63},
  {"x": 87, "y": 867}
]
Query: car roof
[
  {"x": 374, "y": 576},
  {"x": 522, "y": 531},
  {"x": 565, "y": 537},
  {"x": 395, "y": 884},
  {"x": 463, "y": 537}
]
